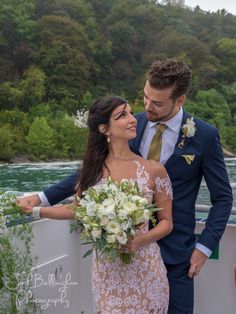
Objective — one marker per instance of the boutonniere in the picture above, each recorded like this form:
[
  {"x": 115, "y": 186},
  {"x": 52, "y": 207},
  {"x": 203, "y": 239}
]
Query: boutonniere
[
  {"x": 189, "y": 158},
  {"x": 188, "y": 130}
]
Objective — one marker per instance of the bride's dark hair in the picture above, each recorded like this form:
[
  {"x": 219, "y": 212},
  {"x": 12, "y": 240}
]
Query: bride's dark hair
[{"x": 97, "y": 146}]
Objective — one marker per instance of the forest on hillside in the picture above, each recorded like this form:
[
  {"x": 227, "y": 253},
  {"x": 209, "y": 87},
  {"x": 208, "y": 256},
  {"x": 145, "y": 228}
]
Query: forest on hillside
[{"x": 57, "y": 56}]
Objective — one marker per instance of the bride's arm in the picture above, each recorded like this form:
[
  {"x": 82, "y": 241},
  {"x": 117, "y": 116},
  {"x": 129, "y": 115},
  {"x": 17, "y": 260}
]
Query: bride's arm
[
  {"x": 54, "y": 212},
  {"x": 163, "y": 199},
  {"x": 58, "y": 212},
  {"x": 163, "y": 227}
]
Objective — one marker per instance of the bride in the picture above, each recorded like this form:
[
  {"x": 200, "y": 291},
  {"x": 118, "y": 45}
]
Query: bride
[{"x": 140, "y": 287}]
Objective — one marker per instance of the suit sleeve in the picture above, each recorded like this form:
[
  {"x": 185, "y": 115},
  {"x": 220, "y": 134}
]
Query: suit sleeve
[
  {"x": 216, "y": 177},
  {"x": 60, "y": 191}
]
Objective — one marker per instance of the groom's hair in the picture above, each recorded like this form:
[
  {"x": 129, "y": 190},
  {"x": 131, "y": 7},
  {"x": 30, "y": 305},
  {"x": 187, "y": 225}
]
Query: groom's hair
[{"x": 168, "y": 73}]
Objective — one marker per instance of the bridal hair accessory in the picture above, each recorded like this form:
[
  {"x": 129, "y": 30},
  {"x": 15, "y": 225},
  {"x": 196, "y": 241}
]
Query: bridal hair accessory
[
  {"x": 188, "y": 130},
  {"x": 81, "y": 120},
  {"x": 189, "y": 158}
]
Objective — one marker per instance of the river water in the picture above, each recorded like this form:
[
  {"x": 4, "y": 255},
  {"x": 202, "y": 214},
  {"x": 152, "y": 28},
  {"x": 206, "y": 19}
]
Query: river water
[{"x": 36, "y": 176}]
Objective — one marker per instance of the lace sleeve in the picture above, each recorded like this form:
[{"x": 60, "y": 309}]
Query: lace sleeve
[{"x": 162, "y": 184}]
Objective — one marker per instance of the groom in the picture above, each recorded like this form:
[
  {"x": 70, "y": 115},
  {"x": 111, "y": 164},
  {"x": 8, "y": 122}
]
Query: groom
[{"x": 190, "y": 150}]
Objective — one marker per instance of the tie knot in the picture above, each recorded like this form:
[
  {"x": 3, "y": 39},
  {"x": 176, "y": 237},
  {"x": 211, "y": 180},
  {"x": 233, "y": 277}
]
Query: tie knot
[{"x": 161, "y": 127}]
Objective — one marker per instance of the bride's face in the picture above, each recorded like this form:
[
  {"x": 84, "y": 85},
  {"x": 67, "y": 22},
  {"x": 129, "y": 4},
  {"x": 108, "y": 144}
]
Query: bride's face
[{"x": 122, "y": 123}]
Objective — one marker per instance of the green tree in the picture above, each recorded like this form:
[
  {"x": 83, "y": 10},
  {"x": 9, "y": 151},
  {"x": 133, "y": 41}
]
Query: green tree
[
  {"x": 10, "y": 96},
  {"x": 211, "y": 106},
  {"x": 69, "y": 140},
  {"x": 6, "y": 143},
  {"x": 40, "y": 139},
  {"x": 18, "y": 30},
  {"x": 33, "y": 87}
]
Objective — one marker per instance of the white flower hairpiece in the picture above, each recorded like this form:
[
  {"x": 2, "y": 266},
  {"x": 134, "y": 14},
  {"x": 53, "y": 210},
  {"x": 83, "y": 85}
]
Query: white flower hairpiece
[
  {"x": 81, "y": 120},
  {"x": 188, "y": 130}
]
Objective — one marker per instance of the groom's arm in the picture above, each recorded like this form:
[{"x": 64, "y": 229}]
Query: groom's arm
[
  {"x": 60, "y": 191},
  {"x": 216, "y": 177},
  {"x": 52, "y": 195}
]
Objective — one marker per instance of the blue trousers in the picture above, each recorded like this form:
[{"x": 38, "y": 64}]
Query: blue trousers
[{"x": 181, "y": 289}]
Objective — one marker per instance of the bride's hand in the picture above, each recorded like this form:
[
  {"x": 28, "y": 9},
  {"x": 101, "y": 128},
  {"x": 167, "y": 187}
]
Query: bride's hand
[{"x": 132, "y": 245}]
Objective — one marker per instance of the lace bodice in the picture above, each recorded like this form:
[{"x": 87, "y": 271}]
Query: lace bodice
[{"x": 151, "y": 176}]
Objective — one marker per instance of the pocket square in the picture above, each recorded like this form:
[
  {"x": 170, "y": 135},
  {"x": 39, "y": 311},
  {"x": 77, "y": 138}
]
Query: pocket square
[{"x": 189, "y": 158}]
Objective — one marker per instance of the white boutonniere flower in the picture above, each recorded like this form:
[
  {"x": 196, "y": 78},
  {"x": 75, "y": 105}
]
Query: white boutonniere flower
[
  {"x": 189, "y": 158},
  {"x": 188, "y": 130}
]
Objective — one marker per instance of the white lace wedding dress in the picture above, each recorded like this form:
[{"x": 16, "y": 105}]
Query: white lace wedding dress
[{"x": 140, "y": 287}]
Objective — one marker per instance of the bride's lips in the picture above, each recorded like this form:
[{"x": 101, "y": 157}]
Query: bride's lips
[{"x": 132, "y": 128}]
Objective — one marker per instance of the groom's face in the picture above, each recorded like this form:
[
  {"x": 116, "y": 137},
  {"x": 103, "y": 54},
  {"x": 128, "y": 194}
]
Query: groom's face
[{"x": 159, "y": 105}]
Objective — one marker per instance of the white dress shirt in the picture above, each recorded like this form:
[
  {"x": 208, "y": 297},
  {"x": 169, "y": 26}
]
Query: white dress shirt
[{"x": 169, "y": 137}]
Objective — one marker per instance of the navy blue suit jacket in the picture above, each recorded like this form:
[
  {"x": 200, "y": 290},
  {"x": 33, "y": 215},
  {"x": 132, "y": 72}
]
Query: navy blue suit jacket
[{"x": 208, "y": 163}]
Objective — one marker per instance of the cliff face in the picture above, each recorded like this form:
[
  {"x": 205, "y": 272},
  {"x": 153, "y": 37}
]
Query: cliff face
[{"x": 228, "y": 153}]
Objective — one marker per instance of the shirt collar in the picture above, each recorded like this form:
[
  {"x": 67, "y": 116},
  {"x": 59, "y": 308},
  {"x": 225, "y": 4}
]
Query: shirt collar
[{"x": 174, "y": 123}]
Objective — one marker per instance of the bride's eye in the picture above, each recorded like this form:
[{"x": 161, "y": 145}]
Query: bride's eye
[{"x": 121, "y": 115}]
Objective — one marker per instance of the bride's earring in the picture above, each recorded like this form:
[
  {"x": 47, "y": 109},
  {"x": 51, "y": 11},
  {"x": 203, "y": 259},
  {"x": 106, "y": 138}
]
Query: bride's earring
[{"x": 108, "y": 138}]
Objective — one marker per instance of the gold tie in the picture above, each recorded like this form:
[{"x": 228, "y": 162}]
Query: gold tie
[{"x": 155, "y": 146}]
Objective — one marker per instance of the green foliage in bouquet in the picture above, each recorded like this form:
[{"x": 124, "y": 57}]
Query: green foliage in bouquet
[
  {"x": 108, "y": 214},
  {"x": 16, "y": 262}
]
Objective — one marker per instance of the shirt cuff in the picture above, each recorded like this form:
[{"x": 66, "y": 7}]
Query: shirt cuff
[
  {"x": 44, "y": 200},
  {"x": 203, "y": 249}
]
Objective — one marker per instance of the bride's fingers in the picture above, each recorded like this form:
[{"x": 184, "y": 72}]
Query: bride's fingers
[{"x": 124, "y": 249}]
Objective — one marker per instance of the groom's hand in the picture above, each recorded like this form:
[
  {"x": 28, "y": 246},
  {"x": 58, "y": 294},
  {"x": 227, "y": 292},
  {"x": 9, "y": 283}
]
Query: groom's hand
[
  {"x": 197, "y": 260},
  {"x": 28, "y": 201}
]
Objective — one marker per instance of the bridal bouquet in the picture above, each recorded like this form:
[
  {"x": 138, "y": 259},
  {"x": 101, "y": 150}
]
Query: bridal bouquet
[{"x": 108, "y": 214}]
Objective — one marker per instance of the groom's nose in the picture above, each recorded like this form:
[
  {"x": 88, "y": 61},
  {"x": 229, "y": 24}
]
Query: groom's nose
[{"x": 148, "y": 104}]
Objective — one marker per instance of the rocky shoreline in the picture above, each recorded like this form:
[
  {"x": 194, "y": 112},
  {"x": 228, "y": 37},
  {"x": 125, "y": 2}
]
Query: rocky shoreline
[
  {"x": 228, "y": 154},
  {"x": 24, "y": 159}
]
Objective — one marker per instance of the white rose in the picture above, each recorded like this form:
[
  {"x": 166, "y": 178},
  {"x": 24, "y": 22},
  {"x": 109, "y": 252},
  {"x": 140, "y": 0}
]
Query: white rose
[
  {"x": 122, "y": 214},
  {"x": 140, "y": 199},
  {"x": 189, "y": 128},
  {"x": 111, "y": 238},
  {"x": 104, "y": 221},
  {"x": 130, "y": 207},
  {"x": 113, "y": 227},
  {"x": 121, "y": 237},
  {"x": 96, "y": 233},
  {"x": 126, "y": 224},
  {"x": 108, "y": 202},
  {"x": 91, "y": 209},
  {"x": 113, "y": 188},
  {"x": 120, "y": 198},
  {"x": 146, "y": 215},
  {"x": 191, "y": 131},
  {"x": 109, "y": 212}
]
